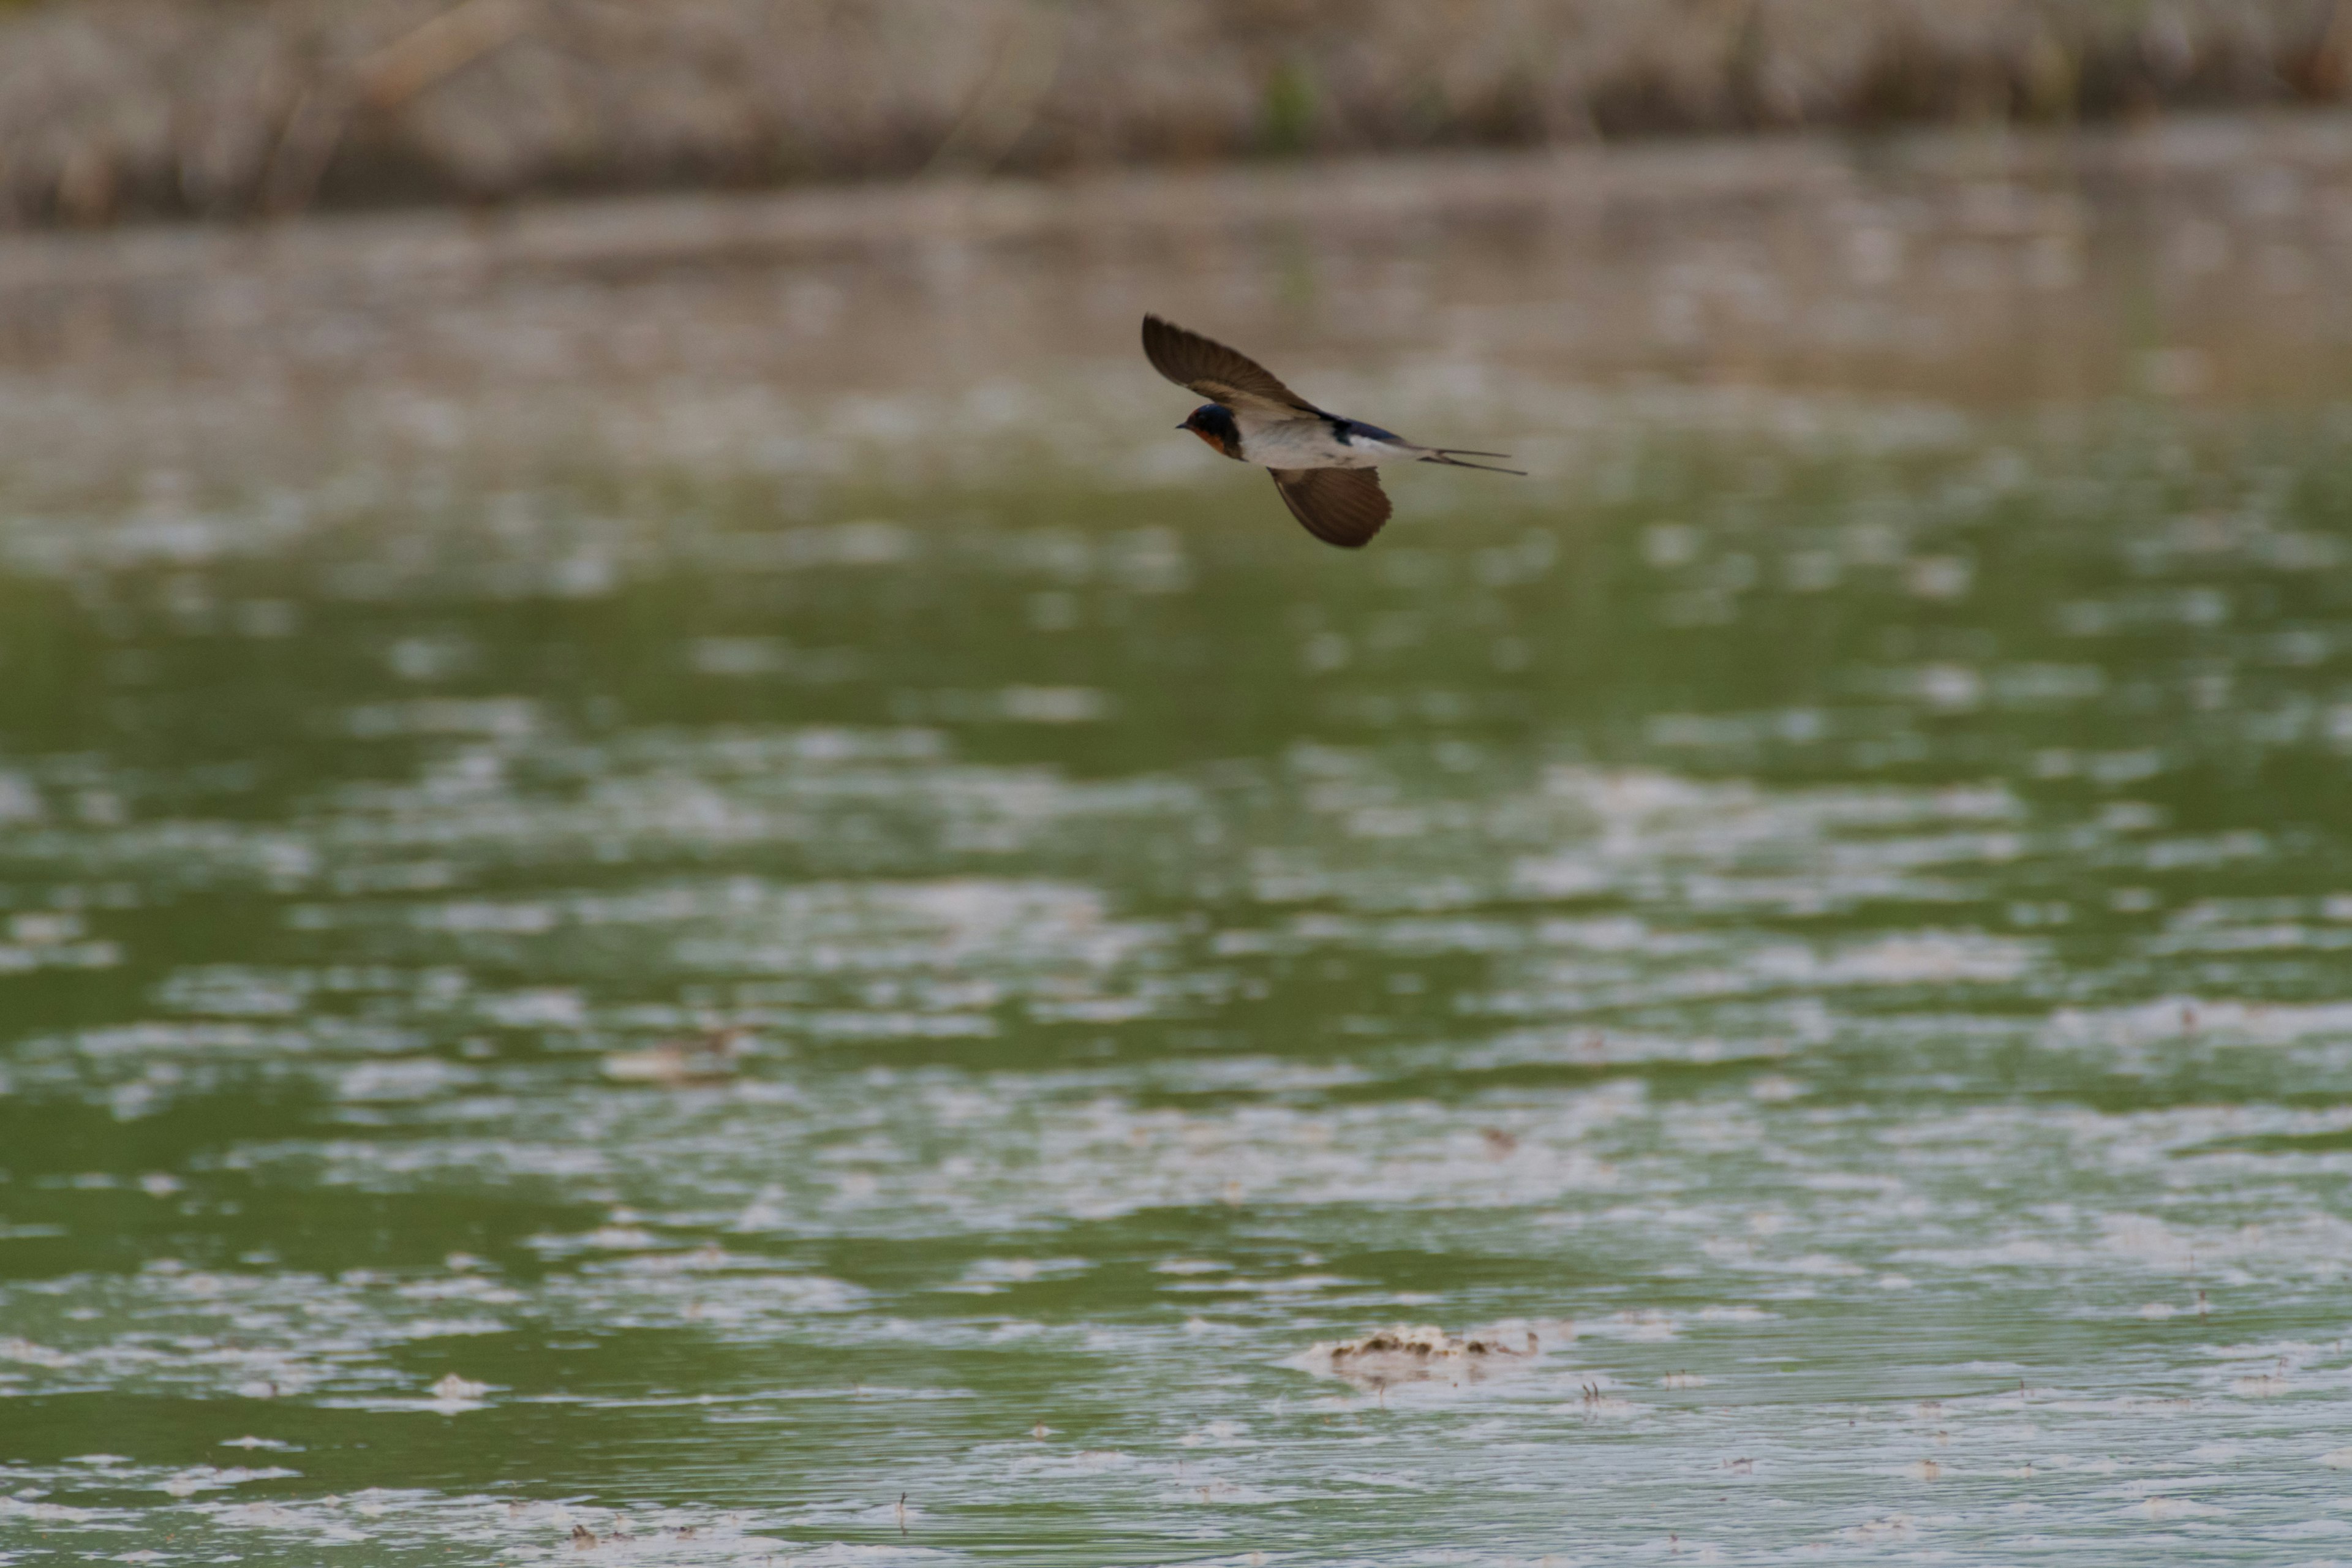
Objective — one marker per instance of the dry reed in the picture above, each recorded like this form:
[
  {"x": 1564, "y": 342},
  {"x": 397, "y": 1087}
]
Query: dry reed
[{"x": 163, "y": 107}]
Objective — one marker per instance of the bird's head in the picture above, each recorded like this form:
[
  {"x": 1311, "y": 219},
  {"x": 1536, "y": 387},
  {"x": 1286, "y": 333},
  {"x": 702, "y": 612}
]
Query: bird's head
[{"x": 1213, "y": 423}]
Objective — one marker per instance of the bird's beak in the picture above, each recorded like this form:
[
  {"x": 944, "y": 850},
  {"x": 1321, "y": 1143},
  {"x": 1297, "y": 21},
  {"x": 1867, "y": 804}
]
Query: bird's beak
[{"x": 1186, "y": 426}]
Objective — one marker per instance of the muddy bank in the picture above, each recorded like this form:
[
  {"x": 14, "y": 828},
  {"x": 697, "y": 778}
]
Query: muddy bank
[
  {"x": 136, "y": 107},
  {"x": 1542, "y": 299}
]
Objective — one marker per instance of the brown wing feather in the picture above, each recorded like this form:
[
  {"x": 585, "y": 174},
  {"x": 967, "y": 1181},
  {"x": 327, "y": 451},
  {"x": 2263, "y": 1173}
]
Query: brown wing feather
[
  {"x": 1340, "y": 506},
  {"x": 1216, "y": 372}
]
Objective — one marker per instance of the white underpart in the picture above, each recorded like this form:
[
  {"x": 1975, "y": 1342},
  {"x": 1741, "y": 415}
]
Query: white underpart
[{"x": 1309, "y": 444}]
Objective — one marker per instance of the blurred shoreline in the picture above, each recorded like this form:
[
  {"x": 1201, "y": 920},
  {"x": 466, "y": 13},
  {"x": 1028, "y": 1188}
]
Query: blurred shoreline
[
  {"x": 140, "y": 108},
  {"x": 1555, "y": 301},
  {"x": 1803, "y": 257}
]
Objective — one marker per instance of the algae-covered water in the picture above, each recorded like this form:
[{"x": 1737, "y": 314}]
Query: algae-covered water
[{"x": 827, "y": 944}]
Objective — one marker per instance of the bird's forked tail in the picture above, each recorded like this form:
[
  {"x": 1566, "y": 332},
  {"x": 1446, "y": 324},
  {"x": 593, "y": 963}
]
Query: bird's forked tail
[{"x": 1452, "y": 457}]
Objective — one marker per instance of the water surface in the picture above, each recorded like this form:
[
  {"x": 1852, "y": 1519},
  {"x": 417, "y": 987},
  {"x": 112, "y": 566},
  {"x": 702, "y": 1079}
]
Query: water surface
[{"x": 603, "y": 944}]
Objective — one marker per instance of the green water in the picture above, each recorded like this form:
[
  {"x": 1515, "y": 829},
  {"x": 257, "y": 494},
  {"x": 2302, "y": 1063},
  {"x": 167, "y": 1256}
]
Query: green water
[
  {"x": 1860, "y": 926},
  {"x": 1826, "y": 917}
]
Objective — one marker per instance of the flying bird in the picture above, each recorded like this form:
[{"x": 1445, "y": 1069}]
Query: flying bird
[{"x": 1324, "y": 465}]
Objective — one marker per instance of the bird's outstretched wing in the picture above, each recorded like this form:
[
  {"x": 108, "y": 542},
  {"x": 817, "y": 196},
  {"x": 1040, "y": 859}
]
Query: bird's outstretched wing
[
  {"x": 1217, "y": 373},
  {"x": 1340, "y": 506}
]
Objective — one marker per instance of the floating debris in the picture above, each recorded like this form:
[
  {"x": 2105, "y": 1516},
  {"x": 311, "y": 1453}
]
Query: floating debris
[
  {"x": 1404, "y": 1355},
  {"x": 453, "y": 1395},
  {"x": 679, "y": 1064}
]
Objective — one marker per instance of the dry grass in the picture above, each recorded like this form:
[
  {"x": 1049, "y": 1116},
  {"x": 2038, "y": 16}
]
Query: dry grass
[{"x": 115, "y": 107}]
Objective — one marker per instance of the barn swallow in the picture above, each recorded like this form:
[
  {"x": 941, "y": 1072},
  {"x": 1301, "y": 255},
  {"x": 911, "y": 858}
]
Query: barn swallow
[{"x": 1324, "y": 465}]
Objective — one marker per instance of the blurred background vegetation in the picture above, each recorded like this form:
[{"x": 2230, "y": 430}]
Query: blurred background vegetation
[{"x": 122, "y": 108}]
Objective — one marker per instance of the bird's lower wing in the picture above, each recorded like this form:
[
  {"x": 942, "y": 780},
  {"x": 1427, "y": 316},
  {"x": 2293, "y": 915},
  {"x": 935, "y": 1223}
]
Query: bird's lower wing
[
  {"x": 1340, "y": 506},
  {"x": 1217, "y": 373}
]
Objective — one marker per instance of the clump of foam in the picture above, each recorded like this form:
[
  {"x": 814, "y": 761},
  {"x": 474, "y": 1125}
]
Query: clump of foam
[{"x": 1405, "y": 1354}]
